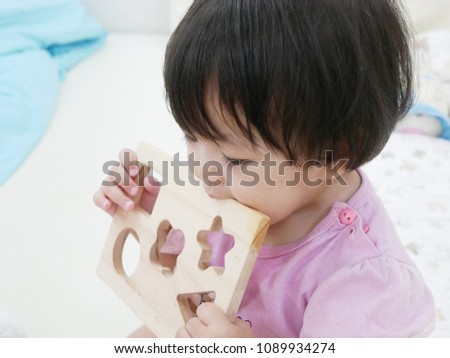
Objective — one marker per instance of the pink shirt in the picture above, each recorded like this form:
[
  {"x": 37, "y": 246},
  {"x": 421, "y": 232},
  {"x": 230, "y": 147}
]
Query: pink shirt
[{"x": 349, "y": 277}]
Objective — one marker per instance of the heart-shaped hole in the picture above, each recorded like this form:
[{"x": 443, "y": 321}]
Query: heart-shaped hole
[{"x": 168, "y": 246}]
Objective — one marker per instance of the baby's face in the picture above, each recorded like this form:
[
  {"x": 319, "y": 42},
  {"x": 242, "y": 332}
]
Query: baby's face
[{"x": 256, "y": 177}]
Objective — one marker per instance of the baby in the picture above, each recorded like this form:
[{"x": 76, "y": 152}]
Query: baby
[{"x": 297, "y": 95}]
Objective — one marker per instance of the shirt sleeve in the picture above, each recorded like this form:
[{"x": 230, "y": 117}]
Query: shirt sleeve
[{"x": 378, "y": 297}]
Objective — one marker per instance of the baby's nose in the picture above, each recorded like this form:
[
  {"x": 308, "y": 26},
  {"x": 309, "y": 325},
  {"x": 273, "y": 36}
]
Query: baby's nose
[
  {"x": 213, "y": 180},
  {"x": 214, "y": 184},
  {"x": 212, "y": 176},
  {"x": 217, "y": 191},
  {"x": 211, "y": 173}
]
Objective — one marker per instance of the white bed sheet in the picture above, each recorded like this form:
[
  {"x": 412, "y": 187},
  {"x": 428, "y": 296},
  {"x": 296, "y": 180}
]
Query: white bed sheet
[
  {"x": 412, "y": 176},
  {"x": 51, "y": 232}
]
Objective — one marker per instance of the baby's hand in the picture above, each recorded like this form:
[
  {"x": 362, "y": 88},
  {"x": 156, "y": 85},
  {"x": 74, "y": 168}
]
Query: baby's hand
[
  {"x": 211, "y": 322},
  {"x": 119, "y": 188}
]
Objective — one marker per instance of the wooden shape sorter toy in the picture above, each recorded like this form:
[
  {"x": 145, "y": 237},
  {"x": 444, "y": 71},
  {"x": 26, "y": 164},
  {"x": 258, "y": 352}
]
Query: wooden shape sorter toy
[{"x": 159, "y": 289}]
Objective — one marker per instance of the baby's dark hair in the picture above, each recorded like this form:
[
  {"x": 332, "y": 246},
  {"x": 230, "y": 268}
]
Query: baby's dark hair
[{"x": 309, "y": 76}]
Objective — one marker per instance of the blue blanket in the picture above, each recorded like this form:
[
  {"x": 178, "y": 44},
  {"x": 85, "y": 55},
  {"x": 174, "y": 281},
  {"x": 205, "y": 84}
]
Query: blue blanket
[
  {"x": 428, "y": 110},
  {"x": 39, "y": 41}
]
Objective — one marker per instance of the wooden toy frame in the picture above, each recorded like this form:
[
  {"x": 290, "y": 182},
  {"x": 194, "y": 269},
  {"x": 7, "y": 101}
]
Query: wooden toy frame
[{"x": 158, "y": 295}]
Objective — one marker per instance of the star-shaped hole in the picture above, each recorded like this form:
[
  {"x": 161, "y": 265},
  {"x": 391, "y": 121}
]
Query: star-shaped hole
[{"x": 215, "y": 244}]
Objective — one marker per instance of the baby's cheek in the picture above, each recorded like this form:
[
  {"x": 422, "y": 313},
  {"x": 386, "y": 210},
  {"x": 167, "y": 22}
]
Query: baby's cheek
[
  {"x": 258, "y": 200},
  {"x": 247, "y": 195}
]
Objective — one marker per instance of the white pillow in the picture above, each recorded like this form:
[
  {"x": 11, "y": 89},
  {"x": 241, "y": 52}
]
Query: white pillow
[
  {"x": 139, "y": 16},
  {"x": 429, "y": 15}
]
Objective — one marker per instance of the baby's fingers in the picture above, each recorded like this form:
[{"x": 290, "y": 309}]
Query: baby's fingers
[
  {"x": 117, "y": 196},
  {"x": 104, "y": 203},
  {"x": 119, "y": 176},
  {"x": 128, "y": 159}
]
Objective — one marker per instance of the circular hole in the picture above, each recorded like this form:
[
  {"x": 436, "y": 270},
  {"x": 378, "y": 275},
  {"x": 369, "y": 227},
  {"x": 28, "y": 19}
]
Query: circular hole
[{"x": 130, "y": 254}]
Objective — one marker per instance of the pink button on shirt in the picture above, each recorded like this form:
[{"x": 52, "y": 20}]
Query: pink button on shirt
[{"x": 350, "y": 277}]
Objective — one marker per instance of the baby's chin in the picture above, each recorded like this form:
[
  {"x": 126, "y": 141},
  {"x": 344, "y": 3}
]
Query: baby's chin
[{"x": 274, "y": 218}]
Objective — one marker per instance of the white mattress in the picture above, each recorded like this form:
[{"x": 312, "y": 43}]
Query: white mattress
[
  {"x": 52, "y": 235},
  {"x": 412, "y": 176}
]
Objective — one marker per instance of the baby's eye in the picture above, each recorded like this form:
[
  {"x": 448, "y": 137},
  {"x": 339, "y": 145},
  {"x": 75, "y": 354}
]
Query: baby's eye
[{"x": 235, "y": 162}]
